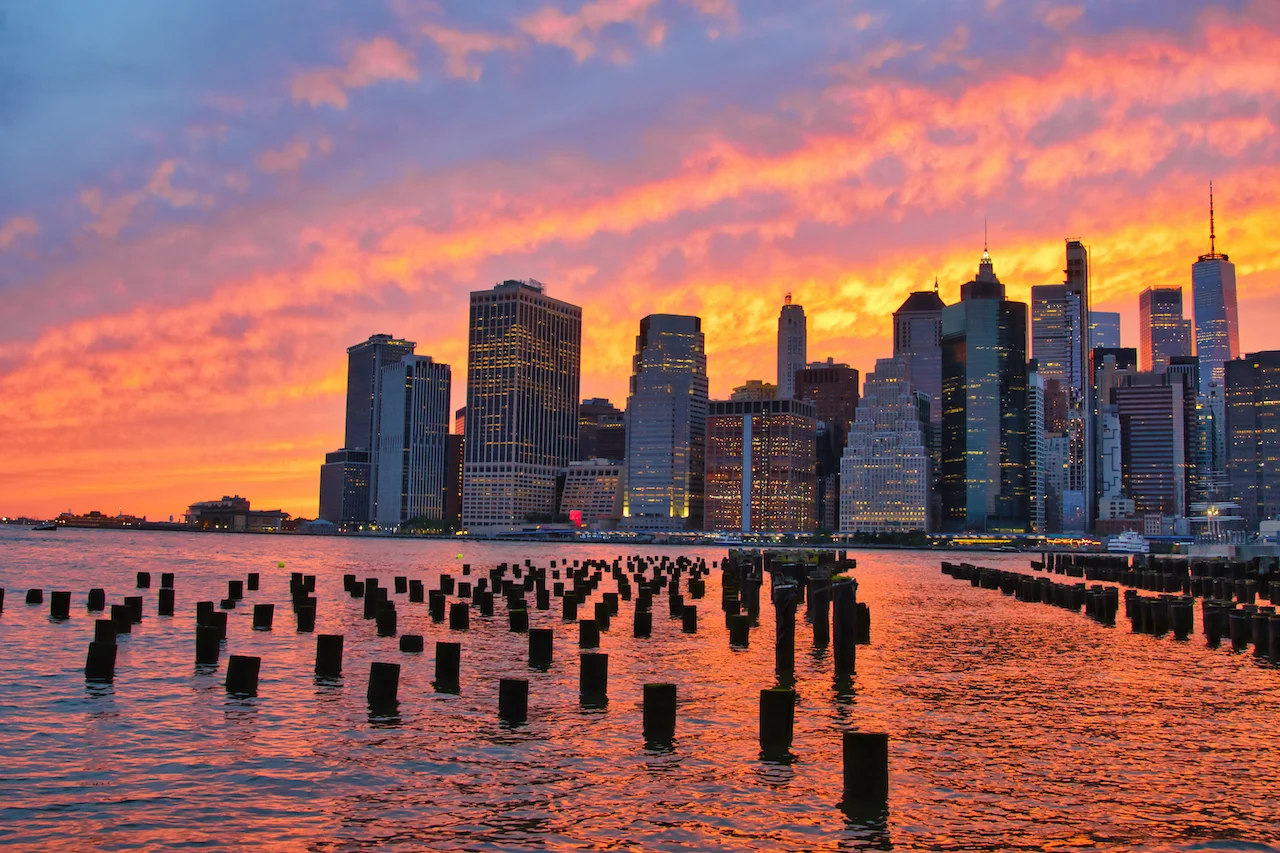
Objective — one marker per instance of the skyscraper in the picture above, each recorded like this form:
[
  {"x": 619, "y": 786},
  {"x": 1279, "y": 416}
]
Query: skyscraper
[
  {"x": 666, "y": 426},
  {"x": 1213, "y": 290},
  {"x": 792, "y": 347},
  {"x": 917, "y": 339},
  {"x": 1038, "y": 455},
  {"x": 1058, "y": 334},
  {"x": 1163, "y": 332},
  {"x": 760, "y": 465},
  {"x": 833, "y": 390},
  {"x": 413, "y": 454},
  {"x": 1253, "y": 435},
  {"x": 1153, "y": 437},
  {"x": 984, "y": 408},
  {"x": 352, "y": 472},
  {"x": 885, "y": 477},
  {"x": 523, "y": 363}
]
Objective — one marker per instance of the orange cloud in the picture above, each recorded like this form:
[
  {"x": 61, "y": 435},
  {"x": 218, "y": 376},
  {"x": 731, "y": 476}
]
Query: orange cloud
[
  {"x": 16, "y": 227},
  {"x": 370, "y": 62},
  {"x": 710, "y": 223}
]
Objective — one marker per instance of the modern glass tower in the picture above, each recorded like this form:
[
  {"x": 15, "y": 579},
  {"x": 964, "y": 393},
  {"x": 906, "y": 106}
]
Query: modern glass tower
[
  {"x": 792, "y": 347},
  {"x": 349, "y": 477},
  {"x": 1163, "y": 332},
  {"x": 1213, "y": 289},
  {"x": 524, "y": 359},
  {"x": 984, "y": 408},
  {"x": 666, "y": 426},
  {"x": 412, "y": 455},
  {"x": 917, "y": 339}
]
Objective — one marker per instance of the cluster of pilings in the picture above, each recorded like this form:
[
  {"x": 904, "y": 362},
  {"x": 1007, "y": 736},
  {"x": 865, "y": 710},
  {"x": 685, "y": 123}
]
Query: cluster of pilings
[
  {"x": 638, "y": 578},
  {"x": 1229, "y": 591},
  {"x": 1099, "y": 603},
  {"x": 1193, "y": 576}
]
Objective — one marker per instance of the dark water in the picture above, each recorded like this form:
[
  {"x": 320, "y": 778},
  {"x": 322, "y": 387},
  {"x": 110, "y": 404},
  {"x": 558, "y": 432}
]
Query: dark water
[{"x": 1014, "y": 726}]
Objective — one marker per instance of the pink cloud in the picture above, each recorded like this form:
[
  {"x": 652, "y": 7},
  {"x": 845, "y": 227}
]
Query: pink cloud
[
  {"x": 458, "y": 47},
  {"x": 16, "y": 227},
  {"x": 285, "y": 159},
  {"x": 578, "y": 30},
  {"x": 370, "y": 62},
  {"x": 111, "y": 215}
]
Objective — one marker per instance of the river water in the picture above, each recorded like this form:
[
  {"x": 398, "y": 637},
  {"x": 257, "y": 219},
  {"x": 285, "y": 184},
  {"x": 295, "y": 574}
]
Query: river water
[{"x": 1013, "y": 726}]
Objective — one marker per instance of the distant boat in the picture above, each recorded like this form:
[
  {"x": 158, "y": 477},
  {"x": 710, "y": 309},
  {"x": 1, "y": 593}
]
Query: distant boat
[
  {"x": 46, "y": 527},
  {"x": 1128, "y": 542}
]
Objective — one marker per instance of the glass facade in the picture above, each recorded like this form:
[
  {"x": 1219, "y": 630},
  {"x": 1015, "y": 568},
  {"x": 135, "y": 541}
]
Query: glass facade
[
  {"x": 1163, "y": 332},
  {"x": 984, "y": 409},
  {"x": 524, "y": 358},
  {"x": 666, "y": 426},
  {"x": 1153, "y": 442},
  {"x": 365, "y": 362},
  {"x": 1213, "y": 289},
  {"x": 413, "y": 455}
]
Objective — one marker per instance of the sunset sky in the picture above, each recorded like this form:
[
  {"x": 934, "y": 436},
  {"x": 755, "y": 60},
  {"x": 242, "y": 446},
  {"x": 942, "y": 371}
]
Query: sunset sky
[{"x": 203, "y": 203}]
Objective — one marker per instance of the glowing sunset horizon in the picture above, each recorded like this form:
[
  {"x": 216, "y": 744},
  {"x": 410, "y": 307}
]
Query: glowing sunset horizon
[{"x": 203, "y": 211}]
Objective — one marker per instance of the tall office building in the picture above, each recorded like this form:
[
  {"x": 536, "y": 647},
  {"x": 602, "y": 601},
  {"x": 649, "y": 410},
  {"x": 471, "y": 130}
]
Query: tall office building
[
  {"x": 413, "y": 458},
  {"x": 601, "y": 431},
  {"x": 792, "y": 347},
  {"x": 1213, "y": 291},
  {"x": 453, "y": 480},
  {"x": 1253, "y": 435},
  {"x": 833, "y": 390},
  {"x": 666, "y": 426},
  {"x": 917, "y": 339},
  {"x": 1153, "y": 437},
  {"x": 760, "y": 465},
  {"x": 524, "y": 359},
  {"x": 1104, "y": 329},
  {"x": 885, "y": 472},
  {"x": 1038, "y": 455},
  {"x": 1058, "y": 334},
  {"x": 349, "y": 477},
  {"x": 984, "y": 408},
  {"x": 365, "y": 362},
  {"x": 1164, "y": 334}
]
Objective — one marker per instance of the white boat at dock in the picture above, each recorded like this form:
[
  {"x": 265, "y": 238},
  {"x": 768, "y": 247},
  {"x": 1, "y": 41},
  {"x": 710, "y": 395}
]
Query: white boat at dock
[{"x": 1128, "y": 542}]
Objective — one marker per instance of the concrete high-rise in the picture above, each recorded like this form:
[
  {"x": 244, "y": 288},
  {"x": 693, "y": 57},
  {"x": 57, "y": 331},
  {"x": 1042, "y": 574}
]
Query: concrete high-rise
[
  {"x": 1213, "y": 290},
  {"x": 1153, "y": 433},
  {"x": 1253, "y": 435},
  {"x": 885, "y": 472},
  {"x": 1163, "y": 332},
  {"x": 792, "y": 347},
  {"x": 760, "y": 466},
  {"x": 413, "y": 457},
  {"x": 666, "y": 423},
  {"x": 984, "y": 408},
  {"x": 524, "y": 358},
  {"x": 344, "y": 487},
  {"x": 833, "y": 390}
]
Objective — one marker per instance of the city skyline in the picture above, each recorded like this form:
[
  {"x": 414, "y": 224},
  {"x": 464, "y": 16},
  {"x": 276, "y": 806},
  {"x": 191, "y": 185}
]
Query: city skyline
[{"x": 180, "y": 296}]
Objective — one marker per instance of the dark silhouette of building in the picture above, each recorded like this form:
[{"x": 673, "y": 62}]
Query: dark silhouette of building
[
  {"x": 985, "y": 480},
  {"x": 602, "y": 432},
  {"x": 1253, "y": 435},
  {"x": 344, "y": 487}
]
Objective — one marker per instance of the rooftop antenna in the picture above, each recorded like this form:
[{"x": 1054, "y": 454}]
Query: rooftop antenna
[
  {"x": 935, "y": 284},
  {"x": 1213, "y": 249},
  {"x": 788, "y": 299}
]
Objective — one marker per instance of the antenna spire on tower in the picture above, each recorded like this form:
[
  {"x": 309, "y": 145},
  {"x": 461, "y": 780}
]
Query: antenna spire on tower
[
  {"x": 1213, "y": 249},
  {"x": 935, "y": 284},
  {"x": 787, "y": 300}
]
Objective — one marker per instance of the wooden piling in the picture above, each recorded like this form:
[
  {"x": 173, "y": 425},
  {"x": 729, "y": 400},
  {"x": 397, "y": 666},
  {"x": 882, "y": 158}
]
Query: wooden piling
[{"x": 242, "y": 674}]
